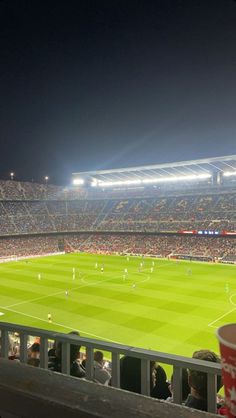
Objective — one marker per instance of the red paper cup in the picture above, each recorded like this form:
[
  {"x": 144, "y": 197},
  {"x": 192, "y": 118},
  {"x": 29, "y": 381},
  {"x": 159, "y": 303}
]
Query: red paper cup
[{"x": 227, "y": 340}]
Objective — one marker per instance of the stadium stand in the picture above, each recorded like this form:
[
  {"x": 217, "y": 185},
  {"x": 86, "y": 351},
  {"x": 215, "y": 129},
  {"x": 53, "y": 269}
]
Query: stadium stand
[
  {"x": 145, "y": 373},
  {"x": 196, "y": 222},
  {"x": 159, "y": 215}
]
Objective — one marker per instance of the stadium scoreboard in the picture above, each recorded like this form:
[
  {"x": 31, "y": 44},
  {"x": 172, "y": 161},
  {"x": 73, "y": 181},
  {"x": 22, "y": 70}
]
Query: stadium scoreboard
[{"x": 211, "y": 232}]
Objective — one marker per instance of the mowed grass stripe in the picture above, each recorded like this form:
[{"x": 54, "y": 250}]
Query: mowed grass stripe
[{"x": 168, "y": 309}]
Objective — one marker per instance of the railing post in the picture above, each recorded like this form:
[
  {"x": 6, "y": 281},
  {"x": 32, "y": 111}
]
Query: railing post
[
  {"x": 145, "y": 377},
  {"x": 177, "y": 385},
  {"x": 89, "y": 363},
  {"x": 211, "y": 392},
  {"x": 115, "y": 373},
  {"x": 43, "y": 352},
  {"x": 65, "y": 358},
  {"x": 23, "y": 347},
  {"x": 4, "y": 343},
  {"x": 179, "y": 363}
]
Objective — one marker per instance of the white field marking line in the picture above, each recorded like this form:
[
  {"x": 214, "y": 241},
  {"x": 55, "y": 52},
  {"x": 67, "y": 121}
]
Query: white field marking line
[
  {"x": 61, "y": 325},
  {"x": 220, "y": 317},
  {"x": 117, "y": 278},
  {"x": 230, "y": 299},
  {"x": 144, "y": 280},
  {"x": 148, "y": 278},
  {"x": 54, "y": 294},
  {"x": 161, "y": 265},
  {"x": 86, "y": 284},
  {"x": 165, "y": 264}
]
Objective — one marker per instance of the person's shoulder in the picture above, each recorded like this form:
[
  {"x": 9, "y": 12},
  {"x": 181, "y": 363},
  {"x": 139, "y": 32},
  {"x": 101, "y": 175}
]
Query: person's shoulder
[
  {"x": 54, "y": 364},
  {"x": 77, "y": 370},
  {"x": 33, "y": 362},
  {"x": 196, "y": 403},
  {"x": 102, "y": 375},
  {"x": 102, "y": 372}
]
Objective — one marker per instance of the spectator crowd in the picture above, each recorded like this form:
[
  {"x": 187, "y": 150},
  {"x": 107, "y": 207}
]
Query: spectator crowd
[
  {"x": 27, "y": 208},
  {"x": 194, "y": 383},
  {"x": 164, "y": 245},
  {"x": 40, "y": 219}
]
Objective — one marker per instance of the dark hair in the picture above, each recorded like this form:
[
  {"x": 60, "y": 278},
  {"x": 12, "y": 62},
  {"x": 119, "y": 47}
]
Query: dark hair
[
  {"x": 160, "y": 374},
  {"x": 185, "y": 385},
  {"x": 74, "y": 348},
  {"x": 35, "y": 348},
  {"x": 161, "y": 388},
  {"x": 198, "y": 380},
  {"x": 130, "y": 374},
  {"x": 98, "y": 356},
  {"x": 74, "y": 333}
]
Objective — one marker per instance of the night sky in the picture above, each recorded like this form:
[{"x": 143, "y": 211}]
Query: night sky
[{"x": 88, "y": 85}]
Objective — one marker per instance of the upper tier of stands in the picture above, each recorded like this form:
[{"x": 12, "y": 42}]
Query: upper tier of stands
[{"x": 29, "y": 208}]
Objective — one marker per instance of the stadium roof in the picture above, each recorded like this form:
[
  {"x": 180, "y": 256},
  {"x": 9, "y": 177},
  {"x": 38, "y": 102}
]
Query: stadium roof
[{"x": 160, "y": 172}]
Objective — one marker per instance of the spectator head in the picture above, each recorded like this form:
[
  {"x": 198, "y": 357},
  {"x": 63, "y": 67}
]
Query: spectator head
[
  {"x": 198, "y": 380},
  {"x": 34, "y": 355},
  {"x": 98, "y": 356},
  {"x": 35, "y": 348},
  {"x": 160, "y": 375},
  {"x": 161, "y": 389},
  {"x": 130, "y": 374},
  {"x": 74, "y": 348}
]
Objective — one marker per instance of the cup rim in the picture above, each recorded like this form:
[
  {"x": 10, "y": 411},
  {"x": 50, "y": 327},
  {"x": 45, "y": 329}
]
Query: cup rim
[{"x": 222, "y": 340}]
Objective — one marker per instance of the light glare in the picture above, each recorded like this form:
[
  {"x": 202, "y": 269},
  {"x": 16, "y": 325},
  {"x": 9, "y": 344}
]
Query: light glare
[
  {"x": 78, "y": 182},
  {"x": 229, "y": 173},
  {"x": 101, "y": 183}
]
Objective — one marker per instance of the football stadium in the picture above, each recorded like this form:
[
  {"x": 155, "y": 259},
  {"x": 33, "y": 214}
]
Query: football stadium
[{"x": 142, "y": 257}]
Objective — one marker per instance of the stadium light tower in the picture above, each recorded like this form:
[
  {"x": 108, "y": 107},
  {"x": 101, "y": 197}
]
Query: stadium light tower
[{"x": 12, "y": 175}]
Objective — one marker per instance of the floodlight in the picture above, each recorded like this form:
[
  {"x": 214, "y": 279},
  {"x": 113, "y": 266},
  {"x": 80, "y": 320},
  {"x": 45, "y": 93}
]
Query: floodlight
[
  {"x": 201, "y": 176},
  {"x": 102, "y": 183},
  {"x": 229, "y": 173},
  {"x": 78, "y": 181},
  {"x": 94, "y": 183}
]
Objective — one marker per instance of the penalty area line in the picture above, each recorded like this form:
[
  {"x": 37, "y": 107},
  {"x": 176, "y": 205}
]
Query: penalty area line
[{"x": 211, "y": 324}]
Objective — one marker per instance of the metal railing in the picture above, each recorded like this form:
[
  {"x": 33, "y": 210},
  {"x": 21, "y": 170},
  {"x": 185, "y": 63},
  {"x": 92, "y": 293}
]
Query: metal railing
[
  {"x": 116, "y": 351},
  {"x": 31, "y": 392}
]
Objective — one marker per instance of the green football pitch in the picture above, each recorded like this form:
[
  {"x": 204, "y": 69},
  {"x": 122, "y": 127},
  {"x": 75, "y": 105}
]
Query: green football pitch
[{"x": 170, "y": 306}]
